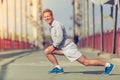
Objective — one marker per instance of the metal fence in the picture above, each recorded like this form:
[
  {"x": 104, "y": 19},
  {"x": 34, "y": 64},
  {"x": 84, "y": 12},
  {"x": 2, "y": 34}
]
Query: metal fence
[
  {"x": 20, "y": 24},
  {"x": 98, "y": 30}
]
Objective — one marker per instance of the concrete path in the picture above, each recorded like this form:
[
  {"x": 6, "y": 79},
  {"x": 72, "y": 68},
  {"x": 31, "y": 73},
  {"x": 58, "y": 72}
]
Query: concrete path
[{"x": 34, "y": 66}]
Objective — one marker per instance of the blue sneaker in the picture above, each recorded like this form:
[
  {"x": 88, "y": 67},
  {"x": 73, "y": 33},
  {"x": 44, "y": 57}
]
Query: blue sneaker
[
  {"x": 56, "y": 70},
  {"x": 108, "y": 70}
]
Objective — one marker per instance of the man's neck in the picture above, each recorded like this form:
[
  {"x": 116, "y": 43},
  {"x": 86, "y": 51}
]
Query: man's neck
[{"x": 51, "y": 23}]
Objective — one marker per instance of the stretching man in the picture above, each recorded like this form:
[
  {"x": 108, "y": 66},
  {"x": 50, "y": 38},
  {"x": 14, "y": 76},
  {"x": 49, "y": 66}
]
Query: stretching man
[{"x": 63, "y": 46}]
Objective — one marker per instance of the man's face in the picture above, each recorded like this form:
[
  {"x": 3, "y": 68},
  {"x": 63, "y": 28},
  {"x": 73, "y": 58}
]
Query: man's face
[{"x": 48, "y": 17}]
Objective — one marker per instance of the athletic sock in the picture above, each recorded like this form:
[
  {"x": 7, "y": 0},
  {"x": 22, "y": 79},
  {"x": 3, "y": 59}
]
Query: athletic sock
[
  {"x": 107, "y": 65},
  {"x": 58, "y": 66}
]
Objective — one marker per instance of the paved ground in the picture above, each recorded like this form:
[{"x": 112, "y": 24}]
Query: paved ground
[{"x": 34, "y": 66}]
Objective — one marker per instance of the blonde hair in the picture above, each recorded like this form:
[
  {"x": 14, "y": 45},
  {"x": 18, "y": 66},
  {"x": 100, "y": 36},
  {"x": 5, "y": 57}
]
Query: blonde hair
[{"x": 48, "y": 10}]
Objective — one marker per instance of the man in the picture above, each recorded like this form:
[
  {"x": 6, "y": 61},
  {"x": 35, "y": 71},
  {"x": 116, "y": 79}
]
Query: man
[{"x": 63, "y": 46}]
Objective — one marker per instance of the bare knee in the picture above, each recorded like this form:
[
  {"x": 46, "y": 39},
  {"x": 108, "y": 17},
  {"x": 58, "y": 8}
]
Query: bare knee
[{"x": 46, "y": 51}]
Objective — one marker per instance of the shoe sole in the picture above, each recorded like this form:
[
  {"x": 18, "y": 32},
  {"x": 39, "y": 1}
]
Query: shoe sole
[
  {"x": 60, "y": 73},
  {"x": 112, "y": 70},
  {"x": 57, "y": 73}
]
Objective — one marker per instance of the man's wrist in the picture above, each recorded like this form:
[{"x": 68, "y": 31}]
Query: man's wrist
[{"x": 54, "y": 47}]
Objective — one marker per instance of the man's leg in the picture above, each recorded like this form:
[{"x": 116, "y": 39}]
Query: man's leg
[
  {"x": 90, "y": 62},
  {"x": 94, "y": 62},
  {"x": 49, "y": 52},
  {"x": 50, "y": 55}
]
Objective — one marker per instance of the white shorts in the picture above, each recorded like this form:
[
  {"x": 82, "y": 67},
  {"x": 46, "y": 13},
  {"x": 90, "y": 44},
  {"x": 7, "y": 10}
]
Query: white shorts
[{"x": 71, "y": 52}]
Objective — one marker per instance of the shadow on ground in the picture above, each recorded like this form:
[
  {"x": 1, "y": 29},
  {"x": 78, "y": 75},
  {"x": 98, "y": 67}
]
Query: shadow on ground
[{"x": 86, "y": 72}]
